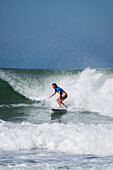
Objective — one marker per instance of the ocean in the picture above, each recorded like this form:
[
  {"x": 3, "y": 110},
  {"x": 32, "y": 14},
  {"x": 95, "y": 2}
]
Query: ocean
[{"x": 32, "y": 137}]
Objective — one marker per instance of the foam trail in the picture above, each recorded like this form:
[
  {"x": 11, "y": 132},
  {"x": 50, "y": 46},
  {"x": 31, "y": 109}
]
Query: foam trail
[{"x": 68, "y": 138}]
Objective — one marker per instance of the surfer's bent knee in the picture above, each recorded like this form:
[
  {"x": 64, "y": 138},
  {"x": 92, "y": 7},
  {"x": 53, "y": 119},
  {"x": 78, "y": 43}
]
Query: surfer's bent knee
[{"x": 57, "y": 99}]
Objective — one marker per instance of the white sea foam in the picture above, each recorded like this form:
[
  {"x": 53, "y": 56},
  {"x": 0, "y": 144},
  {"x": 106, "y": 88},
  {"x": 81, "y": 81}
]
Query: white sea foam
[
  {"x": 21, "y": 105},
  {"x": 69, "y": 138},
  {"x": 92, "y": 91}
]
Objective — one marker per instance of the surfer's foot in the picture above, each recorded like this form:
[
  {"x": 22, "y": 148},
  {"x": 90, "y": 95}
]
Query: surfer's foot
[{"x": 60, "y": 107}]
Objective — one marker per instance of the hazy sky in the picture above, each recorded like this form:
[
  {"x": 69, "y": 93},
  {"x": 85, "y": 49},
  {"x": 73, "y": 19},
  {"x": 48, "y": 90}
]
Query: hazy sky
[{"x": 56, "y": 34}]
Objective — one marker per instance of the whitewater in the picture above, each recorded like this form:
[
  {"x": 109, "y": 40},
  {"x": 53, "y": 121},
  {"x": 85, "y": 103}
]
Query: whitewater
[{"x": 32, "y": 137}]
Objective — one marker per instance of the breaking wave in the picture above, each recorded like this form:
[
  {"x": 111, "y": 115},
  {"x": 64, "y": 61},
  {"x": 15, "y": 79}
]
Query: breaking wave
[
  {"x": 68, "y": 138},
  {"x": 89, "y": 89}
]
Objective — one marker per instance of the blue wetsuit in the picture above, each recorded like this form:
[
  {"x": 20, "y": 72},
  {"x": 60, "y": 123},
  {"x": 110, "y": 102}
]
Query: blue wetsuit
[{"x": 58, "y": 89}]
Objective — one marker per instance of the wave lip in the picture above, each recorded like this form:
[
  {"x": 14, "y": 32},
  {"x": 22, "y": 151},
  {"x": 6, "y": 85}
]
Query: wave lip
[{"x": 68, "y": 138}]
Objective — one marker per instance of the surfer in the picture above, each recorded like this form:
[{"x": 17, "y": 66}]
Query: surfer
[{"x": 62, "y": 94}]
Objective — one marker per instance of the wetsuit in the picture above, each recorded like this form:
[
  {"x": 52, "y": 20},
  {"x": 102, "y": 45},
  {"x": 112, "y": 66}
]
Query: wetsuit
[{"x": 58, "y": 89}]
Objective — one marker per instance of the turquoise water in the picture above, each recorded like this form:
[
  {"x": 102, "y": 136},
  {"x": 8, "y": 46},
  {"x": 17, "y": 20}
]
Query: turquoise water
[{"x": 32, "y": 137}]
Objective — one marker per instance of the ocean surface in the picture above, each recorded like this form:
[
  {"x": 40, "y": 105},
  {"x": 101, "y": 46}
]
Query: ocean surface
[{"x": 32, "y": 137}]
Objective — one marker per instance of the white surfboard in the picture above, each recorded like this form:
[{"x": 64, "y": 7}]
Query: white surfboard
[{"x": 63, "y": 110}]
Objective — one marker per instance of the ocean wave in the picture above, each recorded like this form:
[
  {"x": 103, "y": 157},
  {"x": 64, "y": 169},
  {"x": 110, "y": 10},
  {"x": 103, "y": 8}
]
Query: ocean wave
[
  {"x": 89, "y": 89},
  {"x": 68, "y": 138}
]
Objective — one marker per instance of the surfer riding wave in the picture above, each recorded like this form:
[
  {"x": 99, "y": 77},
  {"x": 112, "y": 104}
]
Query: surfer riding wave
[{"x": 62, "y": 95}]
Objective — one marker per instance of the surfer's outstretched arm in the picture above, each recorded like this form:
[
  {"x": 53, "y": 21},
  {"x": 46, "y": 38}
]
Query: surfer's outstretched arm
[{"x": 52, "y": 95}]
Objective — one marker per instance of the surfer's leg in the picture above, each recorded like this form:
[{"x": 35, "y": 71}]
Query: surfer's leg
[
  {"x": 64, "y": 96},
  {"x": 59, "y": 102},
  {"x": 62, "y": 103}
]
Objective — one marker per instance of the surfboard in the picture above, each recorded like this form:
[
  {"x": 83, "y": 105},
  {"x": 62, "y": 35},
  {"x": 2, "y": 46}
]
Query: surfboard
[{"x": 59, "y": 110}]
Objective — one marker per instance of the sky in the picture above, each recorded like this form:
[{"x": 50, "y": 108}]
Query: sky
[{"x": 56, "y": 34}]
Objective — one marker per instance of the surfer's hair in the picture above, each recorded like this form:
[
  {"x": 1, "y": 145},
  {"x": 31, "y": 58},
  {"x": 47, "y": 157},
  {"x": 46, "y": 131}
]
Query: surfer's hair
[{"x": 54, "y": 84}]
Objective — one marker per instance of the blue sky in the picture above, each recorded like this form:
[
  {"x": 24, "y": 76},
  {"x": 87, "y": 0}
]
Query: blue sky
[{"x": 56, "y": 34}]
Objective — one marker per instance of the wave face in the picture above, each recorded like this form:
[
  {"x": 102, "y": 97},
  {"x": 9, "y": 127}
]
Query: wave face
[{"x": 89, "y": 89}]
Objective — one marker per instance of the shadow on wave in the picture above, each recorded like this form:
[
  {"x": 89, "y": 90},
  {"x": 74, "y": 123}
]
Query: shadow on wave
[{"x": 9, "y": 96}]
